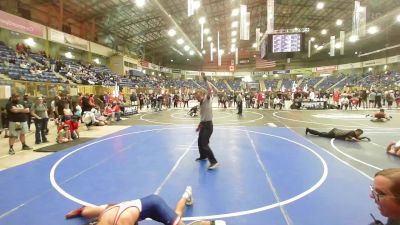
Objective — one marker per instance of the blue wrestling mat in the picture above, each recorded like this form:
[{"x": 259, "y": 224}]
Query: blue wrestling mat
[{"x": 266, "y": 176}]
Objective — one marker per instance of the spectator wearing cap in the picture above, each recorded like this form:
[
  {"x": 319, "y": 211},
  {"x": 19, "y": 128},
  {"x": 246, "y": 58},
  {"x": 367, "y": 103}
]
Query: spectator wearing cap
[{"x": 18, "y": 125}]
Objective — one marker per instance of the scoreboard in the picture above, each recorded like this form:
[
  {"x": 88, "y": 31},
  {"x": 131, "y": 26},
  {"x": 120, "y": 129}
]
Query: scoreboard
[{"x": 287, "y": 42}]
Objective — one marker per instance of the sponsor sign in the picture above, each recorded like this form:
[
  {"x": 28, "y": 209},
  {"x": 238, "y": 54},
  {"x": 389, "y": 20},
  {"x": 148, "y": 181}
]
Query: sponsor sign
[
  {"x": 350, "y": 66},
  {"x": 15, "y": 23},
  {"x": 165, "y": 70},
  {"x": 244, "y": 61},
  {"x": 63, "y": 38},
  {"x": 374, "y": 62},
  {"x": 281, "y": 72},
  {"x": 176, "y": 71},
  {"x": 393, "y": 59},
  {"x": 301, "y": 71},
  {"x": 144, "y": 64},
  {"x": 325, "y": 68}
]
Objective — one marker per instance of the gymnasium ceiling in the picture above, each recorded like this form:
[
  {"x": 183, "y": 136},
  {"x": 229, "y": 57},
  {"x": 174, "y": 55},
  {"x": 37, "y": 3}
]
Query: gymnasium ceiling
[{"x": 145, "y": 30}]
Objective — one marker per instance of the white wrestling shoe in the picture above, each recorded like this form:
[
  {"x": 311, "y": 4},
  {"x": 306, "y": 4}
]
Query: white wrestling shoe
[{"x": 189, "y": 194}]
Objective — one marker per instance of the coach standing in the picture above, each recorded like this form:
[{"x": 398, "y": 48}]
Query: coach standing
[
  {"x": 18, "y": 124},
  {"x": 205, "y": 127}
]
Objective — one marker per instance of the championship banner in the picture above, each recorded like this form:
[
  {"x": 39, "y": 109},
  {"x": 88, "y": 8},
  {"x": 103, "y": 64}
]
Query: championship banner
[
  {"x": 375, "y": 62},
  {"x": 342, "y": 41},
  {"x": 244, "y": 21},
  {"x": 332, "y": 46},
  {"x": 144, "y": 64},
  {"x": 15, "y": 23},
  {"x": 270, "y": 16},
  {"x": 63, "y": 38},
  {"x": 301, "y": 71},
  {"x": 325, "y": 68}
]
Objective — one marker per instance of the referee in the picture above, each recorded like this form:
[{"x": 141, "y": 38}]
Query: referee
[{"x": 205, "y": 127}]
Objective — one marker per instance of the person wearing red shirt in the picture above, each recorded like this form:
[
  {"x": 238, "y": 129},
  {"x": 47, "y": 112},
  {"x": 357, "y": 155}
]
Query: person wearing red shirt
[
  {"x": 73, "y": 127},
  {"x": 117, "y": 111}
]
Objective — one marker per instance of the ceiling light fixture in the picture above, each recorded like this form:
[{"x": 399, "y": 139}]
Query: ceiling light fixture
[
  {"x": 312, "y": 39},
  {"x": 398, "y": 18},
  {"x": 234, "y": 33},
  {"x": 191, "y": 52},
  {"x": 186, "y": 48},
  {"x": 171, "y": 32},
  {"x": 233, "y": 40},
  {"x": 180, "y": 41},
  {"x": 206, "y": 31},
  {"x": 320, "y": 5},
  {"x": 353, "y": 38},
  {"x": 140, "y": 3},
  {"x": 373, "y": 30},
  {"x": 235, "y": 24},
  {"x": 202, "y": 20},
  {"x": 339, "y": 22},
  {"x": 235, "y": 12},
  {"x": 209, "y": 38},
  {"x": 324, "y": 31}
]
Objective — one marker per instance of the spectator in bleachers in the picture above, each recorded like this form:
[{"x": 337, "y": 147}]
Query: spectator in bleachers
[{"x": 39, "y": 112}]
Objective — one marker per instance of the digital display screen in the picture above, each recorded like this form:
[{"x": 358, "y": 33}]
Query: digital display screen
[{"x": 287, "y": 42}]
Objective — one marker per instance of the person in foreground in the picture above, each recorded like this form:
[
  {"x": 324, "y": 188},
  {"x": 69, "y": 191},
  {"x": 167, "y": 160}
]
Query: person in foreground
[
  {"x": 386, "y": 193},
  {"x": 130, "y": 212},
  {"x": 393, "y": 148},
  {"x": 340, "y": 134}
]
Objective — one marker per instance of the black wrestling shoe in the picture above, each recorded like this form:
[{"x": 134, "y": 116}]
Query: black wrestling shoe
[
  {"x": 307, "y": 130},
  {"x": 201, "y": 159}
]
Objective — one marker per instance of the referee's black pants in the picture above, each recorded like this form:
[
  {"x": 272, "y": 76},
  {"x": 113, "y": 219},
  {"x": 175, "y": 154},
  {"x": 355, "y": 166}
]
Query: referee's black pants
[
  {"x": 329, "y": 134},
  {"x": 205, "y": 132}
]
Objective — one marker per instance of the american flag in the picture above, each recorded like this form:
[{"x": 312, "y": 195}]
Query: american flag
[{"x": 262, "y": 64}]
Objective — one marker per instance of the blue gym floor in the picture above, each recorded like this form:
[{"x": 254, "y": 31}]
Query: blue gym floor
[{"x": 266, "y": 176}]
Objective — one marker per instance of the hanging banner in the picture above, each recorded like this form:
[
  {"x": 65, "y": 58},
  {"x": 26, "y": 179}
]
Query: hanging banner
[
  {"x": 356, "y": 19},
  {"x": 350, "y": 66},
  {"x": 281, "y": 72},
  {"x": 165, "y": 70},
  {"x": 325, "y": 68},
  {"x": 374, "y": 62},
  {"x": 332, "y": 45},
  {"x": 154, "y": 67},
  {"x": 301, "y": 71},
  {"x": 342, "y": 42},
  {"x": 63, "y": 38},
  {"x": 393, "y": 59},
  {"x": 144, "y": 64},
  {"x": 270, "y": 16},
  {"x": 243, "y": 23},
  {"x": 15, "y": 23},
  {"x": 362, "y": 21}
]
